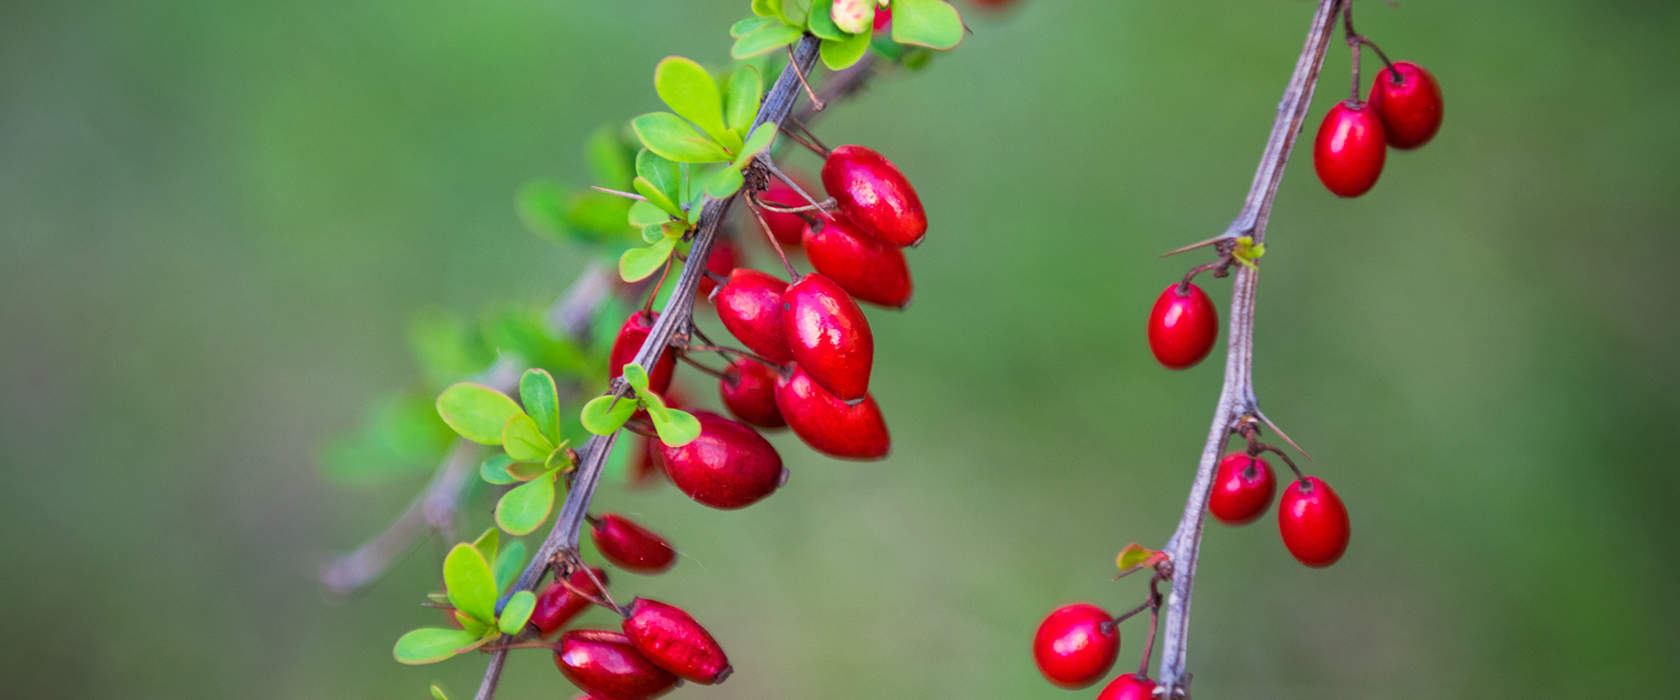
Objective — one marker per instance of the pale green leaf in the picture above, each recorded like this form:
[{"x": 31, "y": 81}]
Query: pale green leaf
[
  {"x": 648, "y": 214},
  {"x": 516, "y": 612},
  {"x": 839, "y": 55},
  {"x": 476, "y": 412},
  {"x": 603, "y": 414},
  {"x": 931, "y": 23},
  {"x": 656, "y": 198},
  {"x": 430, "y": 645},
  {"x": 487, "y": 543},
  {"x": 637, "y": 264},
  {"x": 676, "y": 427},
  {"x": 793, "y": 12},
  {"x": 767, "y": 8},
  {"x": 689, "y": 90},
  {"x": 495, "y": 470},
  {"x": 742, "y": 95},
  {"x": 509, "y": 562},
  {"x": 636, "y": 377},
  {"x": 761, "y": 139},
  {"x": 469, "y": 582},
  {"x": 542, "y": 401},
  {"x": 437, "y": 693},
  {"x": 526, "y": 471},
  {"x": 472, "y": 626},
  {"x": 724, "y": 182},
  {"x": 822, "y": 23},
  {"x": 669, "y": 136},
  {"x": 525, "y": 508},
  {"x": 746, "y": 26},
  {"x": 661, "y": 173},
  {"x": 524, "y": 441},
  {"x": 764, "y": 39}
]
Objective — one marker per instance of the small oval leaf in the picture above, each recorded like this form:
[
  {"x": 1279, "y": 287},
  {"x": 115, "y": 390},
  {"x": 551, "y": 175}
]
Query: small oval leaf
[
  {"x": 689, "y": 90},
  {"x": 509, "y": 562},
  {"x": 430, "y": 645},
  {"x": 524, "y": 441},
  {"x": 476, "y": 412},
  {"x": 931, "y": 23},
  {"x": 525, "y": 508},
  {"x": 677, "y": 427},
  {"x": 840, "y": 55},
  {"x": 773, "y": 36},
  {"x": 517, "y": 612},
  {"x": 742, "y": 95},
  {"x": 637, "y": 264},
  {"x": 542, "y": 401},
  {"x": 603, "y": 415},
  {"x": 669, "y": 136},
  {"x": 495, "y": 470},
  {"x": 469, "y": 582}
]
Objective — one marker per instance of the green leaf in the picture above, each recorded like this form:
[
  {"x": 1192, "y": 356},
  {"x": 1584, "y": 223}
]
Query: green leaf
[
  {"x": 793, "y": 12},
  {"x": 430, "y": 645},
  {"x": 822, "y": 23},
  {"x": 471, "y": 586},
  {"x": 526, "y": 471},
  {"x": 602, "y": 415},
  {"x": 764, "y": 39},
  {"x": 746, "y": 26},
  {"x": 542, "y": 208},
  {"x": 542, "y": 402},
  {"x": 524, "y": 441},
  {"x": 652, "y": 234},
  {"x": 476, "y": 412},
  {"x": 473, "y": 627},
  {"x": 598, "y": 212},
  {"x": 689, "y": 90},
  {"x": 608, "y": 158},
  {"x": 637, "y": 264},
  {"x": 931, "y": 23},
  {"x": 660, "y": 173},
  {"x": 636, "y": 377},
  {"x": 724, "y": 182},
  {"x": 560, "y": 459},
  {"x": 669, "y": 136},
  {"x": 509, "y": 562},
  {"x": 495, "y": 470},
  {"x": 517, "y": 611},
  {"x": 1136, "y": 556},
  {"x": 487, "y": 543},
  {"x": 525, "y": 508},
  {"x": 741, "y": 96},
  {"x": 839, "y": 55},
  {"x": 767, "y": 8},
  {"x": 657, "y": 199},
  {"x": 648, "y": 214},
  {"x": 437, "y": 693},
  {"x": 761, "y": 139},
  {"x": 676, "y": 427}
]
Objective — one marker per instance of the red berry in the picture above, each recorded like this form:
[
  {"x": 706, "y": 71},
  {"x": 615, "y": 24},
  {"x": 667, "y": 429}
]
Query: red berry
[
  {"x": 829, "y": 335},
  {"x": 866, "y": 267},
  {"x": 1314, "y": 522},
  {"x": 784, "y": 226},
  {"x": 1410, "y": 106},
  {"x": 722, "y": 262},
  {"x": 873, "y": 193},
  {"x": 558, "y": 605},
  {"x": 669, "y": 637},
  {"x": 631, "y": 335},
  {"x": 729, "y": 466},
  {"x": 1350, "y": 149},
  {"x": 1076, "y": 645},
  {"x": 829, "y": 425},
  {"x": 607, "y": 666},
  {"x": 630, "y": 546},
  {"x": 1130, "y": 686},
  {"x": 748, "y": 388},
  {"x": 883, "y": 16},
  {"x": 1242, "y": 488},
  {"x": 750, "y": 306},
  {"x": 1182, "y": 327},
  {"x": 647, "y": 467}
]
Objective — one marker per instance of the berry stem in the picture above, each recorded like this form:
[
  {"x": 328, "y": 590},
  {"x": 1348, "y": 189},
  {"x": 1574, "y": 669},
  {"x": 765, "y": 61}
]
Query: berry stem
[
  {"x": 793, "y": 275},
  {"x": 699, "y": 366}
]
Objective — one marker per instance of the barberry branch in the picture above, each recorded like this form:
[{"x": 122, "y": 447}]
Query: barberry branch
[
  {"x": 1237, "y": 399},
  {"x": 674, "y": 320}
]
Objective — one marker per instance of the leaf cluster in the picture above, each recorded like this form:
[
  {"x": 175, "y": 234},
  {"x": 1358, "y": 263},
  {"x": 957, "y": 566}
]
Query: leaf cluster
[{"x": 474, "y": 576}]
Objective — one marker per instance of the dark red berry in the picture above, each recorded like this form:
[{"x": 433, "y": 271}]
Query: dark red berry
[
  {"x": 558, "y": 605},
  {"x": 829, "y": 425},
  {"x": 1242, "y": 488},
  {"x": 630, "y": 546},
  {"x": 748, "y": 389},
  {"x": 829, "y": 335},
  {"x": 873, "y": 193},
  {"x": 750, "y": 306},
  {"x": 1130, "y": 686},
  {"x": 1076, "y": 645},
  {"x": 729, "y": 466},
  {"x": 883, "y": 17},
  {"x": 1182, "y": 326},
  {"x": 786, "y": 227},
  {"x": 1314, "y": 523},
  {"x": 1350, "y": 149},
  {"x": 722, "y": 262},
  {"x": 1409, "y": 105},
  {"x": 607, "y": 666},
  {"x": 671, "y": 638},
  {"x": 631, "y": 335},
  {"x": 866, "y": 267},
  {"x": 647, "y": 466}
]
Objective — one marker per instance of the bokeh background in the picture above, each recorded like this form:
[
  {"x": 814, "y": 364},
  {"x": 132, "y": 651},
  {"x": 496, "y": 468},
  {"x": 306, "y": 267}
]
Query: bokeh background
[{"x": 216, "y": 219}]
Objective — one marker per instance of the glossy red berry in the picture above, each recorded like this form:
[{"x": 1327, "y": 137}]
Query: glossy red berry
[
  {"x": 1130, "y": 686},
  {"x": 729, "y": 466},
  {"x": 829, "y": 425},
  {"x": 1242, "y": 488},
  {"x": 1076, "y": 645},
  {"x": 671, "y": 638},
  {"x": 607, "y": 666},
  {"x": 647, "y": 466},
  {"x": 630, "y": 546},
  {"x": 883, "y": 17},
  {"x": 1410, "y": 105},
  {"x": 750, "y": 306},
  {"x": 631, "y": 335},
  {"x": 829, "y": 335},
  {"x": 873, "y": 193},
  {"x": 721, "y": 262},
  {"x": 1314, "y": 523},
  {"x": 866, "y": 267},
  {"x": 1350, "y": 149},
  {"x": 558, "y": 604},
  {"x": 748, "y": 389},
  {"x": 784, "y": 226},
  {"x": 1182, "y": 326}
]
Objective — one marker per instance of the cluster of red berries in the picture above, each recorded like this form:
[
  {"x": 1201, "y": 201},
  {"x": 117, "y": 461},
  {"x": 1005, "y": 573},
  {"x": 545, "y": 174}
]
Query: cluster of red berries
[
  {"x": 1404, "y": 112},
  {"x": 1076, "y": 646},
  {"x": 1311, "y": 517}
]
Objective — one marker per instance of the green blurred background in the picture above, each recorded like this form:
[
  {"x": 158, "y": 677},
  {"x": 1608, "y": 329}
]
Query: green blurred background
[{"x": 216, "y": 217}]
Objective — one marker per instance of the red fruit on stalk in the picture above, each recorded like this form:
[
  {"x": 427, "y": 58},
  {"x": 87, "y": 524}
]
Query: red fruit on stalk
[
  {"x": 630, "y": 546},
  {"x": 748, "y": 389},
  {"x": 883, "y": 17},
  {"x": 866, "y": 267},
  {"x": 829, "y": 425},
  {"x": 1349, "y": 151},
  {"x": 1410, "y": 105},
  {"x": 558, "y": 604},
  {"x": 829, "y": 336},
  {"x": 729, "y": 466},
  {"x": 1314, "y": 523},
  {"x": 873, "y": 193},
  {"x": 721, "y": 262},
  {"x": 607, "y": 666},
  {"x": 1130, "y": 686},
  {"x": 750, "y": 306},
  {"x": 671, "y": 638},
  {"x": 1182, "y": 326},
  {"x": 1242, "y": 488},
  {"x": 1076, "y": 645},
  {"x": 784, "y": 226},
  {"x": 631, "y": 335}
]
